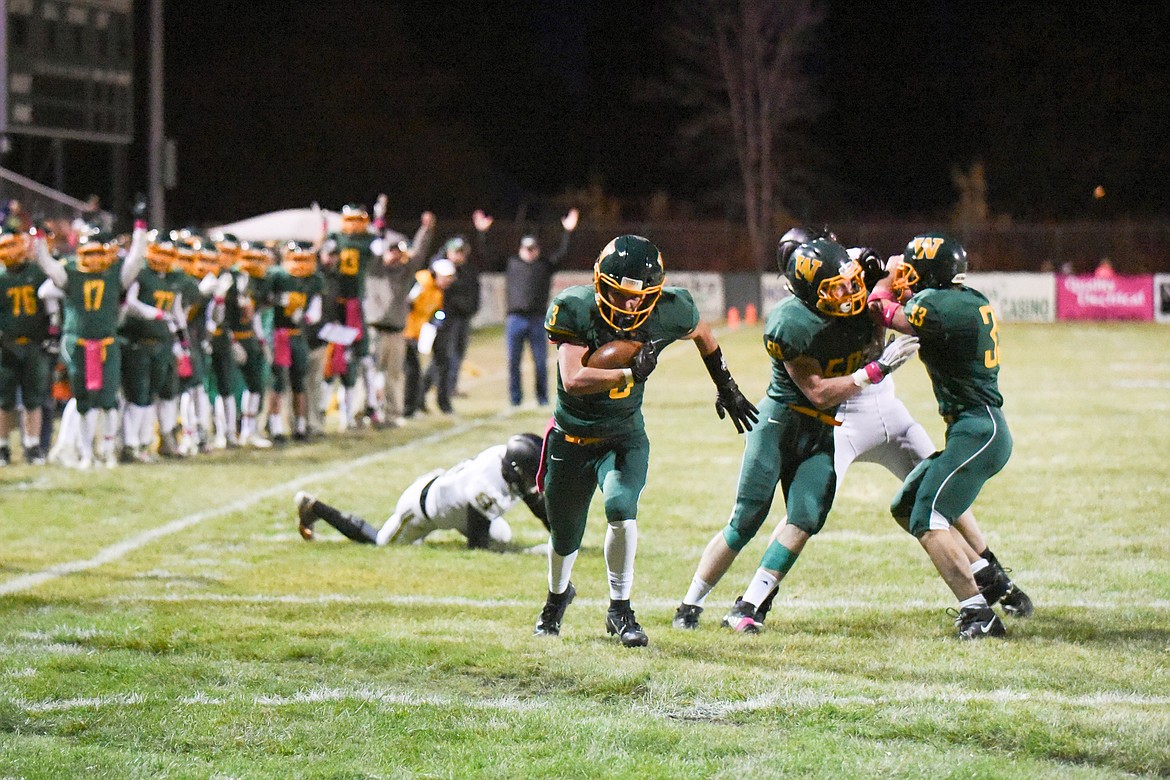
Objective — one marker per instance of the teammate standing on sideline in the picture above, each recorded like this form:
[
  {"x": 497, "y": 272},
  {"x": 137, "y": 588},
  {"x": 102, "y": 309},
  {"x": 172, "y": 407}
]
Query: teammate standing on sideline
[
  {"x": 959, "y": 334},
  {"x": 24, "y": 360},
  {"x": 92, "y": 285},
  {"x": 349, "y": 257},
  {"x": 598, "y": 437},
  {"x": 528, "y": 275}
]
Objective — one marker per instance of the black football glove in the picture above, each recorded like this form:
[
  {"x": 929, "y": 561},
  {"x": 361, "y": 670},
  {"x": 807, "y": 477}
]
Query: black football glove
[
  {"x": 873, "y": 269},
  {"x": 644, "y": 362},
  {"x": 730, "y": 401}
]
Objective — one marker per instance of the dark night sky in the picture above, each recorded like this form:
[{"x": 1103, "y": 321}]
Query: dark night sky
[{"x": 450, "y": 106}]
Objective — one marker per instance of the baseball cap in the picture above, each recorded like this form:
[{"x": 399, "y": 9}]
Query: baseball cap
[
  {"x": 443, "y": 267},
  {"x": 529, "y": 242}
]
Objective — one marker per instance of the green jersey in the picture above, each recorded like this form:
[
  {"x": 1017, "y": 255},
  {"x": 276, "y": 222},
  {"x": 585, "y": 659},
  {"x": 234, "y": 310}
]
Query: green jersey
[
  {"x": 959, "y": 345},
  {"x": 251, "y": 295},
  {"x": 157, "y": 290},
  {"x": 92, "y": 301},
  {"x": 22, "y": 315},
  {"x": 839, "y": 345},
  {"x": 573, "y": 318},
  {"x": 354, "y": 258},
  {"x": 291, "y": 295}
]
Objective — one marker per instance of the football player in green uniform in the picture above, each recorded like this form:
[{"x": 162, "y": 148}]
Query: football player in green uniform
[
  {"x": 818, "y": 339},
  {"x": 197, "y": 260},
  {"x": 295, "y": 288},
  {"x": 92, "y": 284},
  {"x": 597, "y": 437},
  {"x": 226, "y": 356},
  {"x": 959, "y": 334},
  {"x": 149, "y": 375},
  {"x": 349, "y": 256},
  {"x": 248, "y": 331},
  {"x": 24, "y": 361}
]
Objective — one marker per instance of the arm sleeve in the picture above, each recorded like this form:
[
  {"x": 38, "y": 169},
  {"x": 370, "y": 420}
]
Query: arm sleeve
[
  {"x": 54, "y": 270},
  {"x": 134, "y": 258},
  {"x": 138, "y": 308},
  {"x": 562, "y": 252}
]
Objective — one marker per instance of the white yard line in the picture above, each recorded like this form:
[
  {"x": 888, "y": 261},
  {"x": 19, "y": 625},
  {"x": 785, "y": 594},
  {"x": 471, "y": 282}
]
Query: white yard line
[
  {"x": 138, "y": 541},
  {"x": 796, "y": 693},
  {"x": 792, "y": 604}
]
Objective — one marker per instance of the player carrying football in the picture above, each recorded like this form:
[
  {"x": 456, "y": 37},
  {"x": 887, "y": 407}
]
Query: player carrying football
[{"x": 597, "y": 438}]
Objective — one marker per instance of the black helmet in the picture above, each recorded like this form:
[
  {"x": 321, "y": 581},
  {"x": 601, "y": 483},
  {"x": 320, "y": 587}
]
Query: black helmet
[
  {"x": 521, "y": 460},
  {"x": 794, "y": 238},
  {"x": 823, "y": 276},
  {"x": 931, "y": 260}
]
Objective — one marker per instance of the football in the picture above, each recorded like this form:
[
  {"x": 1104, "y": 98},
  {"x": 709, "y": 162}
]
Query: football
[{"x": 615, "y": 354}]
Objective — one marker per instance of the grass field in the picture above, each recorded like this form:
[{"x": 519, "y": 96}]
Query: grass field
[{"x": 167, "y": 621}]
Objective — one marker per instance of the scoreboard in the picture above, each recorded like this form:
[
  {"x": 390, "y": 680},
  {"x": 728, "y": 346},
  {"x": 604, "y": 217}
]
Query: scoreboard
[{"x": 67, "y": 68}]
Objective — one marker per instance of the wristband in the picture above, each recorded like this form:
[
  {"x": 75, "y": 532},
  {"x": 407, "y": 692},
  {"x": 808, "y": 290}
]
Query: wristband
[
  {"x": 717, "y": 368},
  {"x": 140, "y": 224},
  {"x": 871, "y": 374},
  {"x": 628, "y": 377}
]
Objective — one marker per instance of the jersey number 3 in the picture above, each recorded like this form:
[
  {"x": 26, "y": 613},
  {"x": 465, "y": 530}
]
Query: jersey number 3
[{"x": 991, "y": 356}]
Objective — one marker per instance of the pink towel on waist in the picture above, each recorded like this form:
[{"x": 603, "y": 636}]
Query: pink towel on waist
[
  {"x": 353, "y": 315},
  {"x": 281, "y": 348},
  {"x": 93, "y": 364}
]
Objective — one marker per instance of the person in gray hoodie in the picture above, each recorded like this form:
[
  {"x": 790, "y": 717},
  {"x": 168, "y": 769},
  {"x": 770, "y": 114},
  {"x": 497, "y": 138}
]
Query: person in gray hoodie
[{"x": 386, "y": 304}]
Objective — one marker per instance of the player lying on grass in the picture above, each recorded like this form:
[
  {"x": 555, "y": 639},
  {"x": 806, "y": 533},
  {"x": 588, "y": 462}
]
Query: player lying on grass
[{"x": 470, "y": 497}]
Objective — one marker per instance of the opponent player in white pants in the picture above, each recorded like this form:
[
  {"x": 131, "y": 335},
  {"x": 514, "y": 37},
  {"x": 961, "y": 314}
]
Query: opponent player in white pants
[{"x": 470, "y": 498}]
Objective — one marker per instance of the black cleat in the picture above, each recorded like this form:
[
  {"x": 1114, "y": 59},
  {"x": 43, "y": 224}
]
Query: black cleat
[
  {"x": 979, "y": 623},
  {"x": 998, "y": 588},
  {"x": 35, "y": 456},
  {"x": 687, "y": 616},
  {"x": 743, "y": 618},
  {"x": 622, "y": 622},
  {"x": 305, "y": 515},
  {"x": 549, "y": 622},
  {"x": 766, "y": 605},
  {"x": 1015, "y": 602}
]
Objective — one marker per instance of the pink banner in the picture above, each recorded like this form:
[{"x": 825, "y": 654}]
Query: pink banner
[{"x": 1116, "y": 298}]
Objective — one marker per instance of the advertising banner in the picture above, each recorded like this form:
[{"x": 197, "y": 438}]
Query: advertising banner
[
  {"x": 1018, "y": 297},
  {"x": 1116, "y": 298},
  {"x": 1162, "y": 297}
]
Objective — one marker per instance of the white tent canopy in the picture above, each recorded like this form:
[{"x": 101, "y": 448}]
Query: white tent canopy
[{"x": 309, "y": 224}]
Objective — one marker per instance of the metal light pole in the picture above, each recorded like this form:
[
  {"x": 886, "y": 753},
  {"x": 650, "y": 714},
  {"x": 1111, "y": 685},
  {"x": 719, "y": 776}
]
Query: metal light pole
[{"x": 156, "y": 137}]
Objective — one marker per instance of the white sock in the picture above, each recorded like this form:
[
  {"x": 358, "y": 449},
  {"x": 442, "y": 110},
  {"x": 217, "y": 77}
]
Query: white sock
[
  {"x": 168, "y": 414},
  {"x": 203, "y": 404},
  {"x": 762, "y": 583},
  {"x": 146, "y": 426},
  {"x": 975, "y": 601},
  {"x": 697, "y": 593},
  {"x": 131, "y": 419},
  {"x": 621, "y": 543},
  {"x": 68, "y": 430},
  {"x": 275, "y": 425},
  {"x": 979, "y": 565},
  {"x": 221, "y": 427},
  {"x": 560, "y": 568},
  {"x": 109, "y": 432},
  {"x": 229, "y": 416},
  {"x": 89, "y": 425}
]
